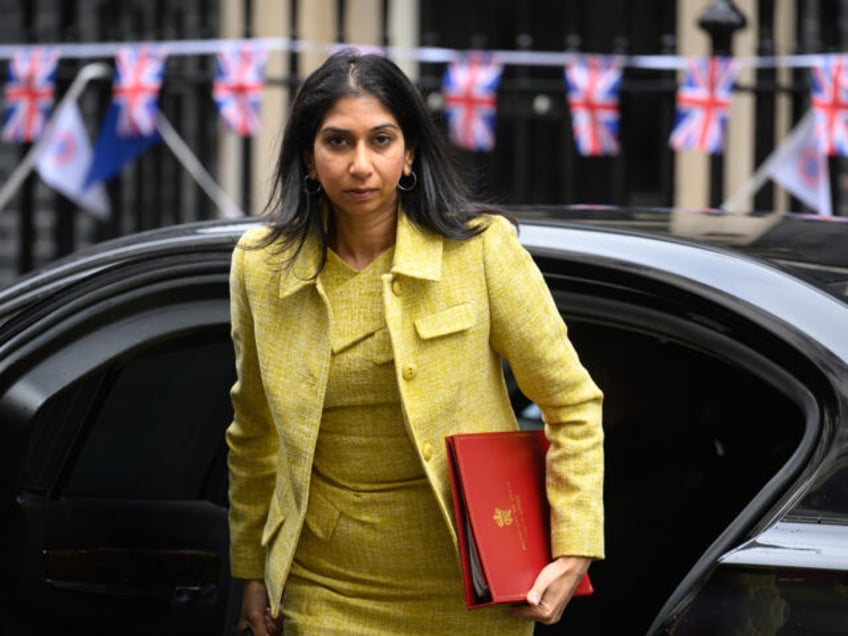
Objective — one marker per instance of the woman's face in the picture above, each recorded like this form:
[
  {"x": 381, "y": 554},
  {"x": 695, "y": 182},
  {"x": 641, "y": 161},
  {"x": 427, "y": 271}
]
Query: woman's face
[{"x": 359, "y": 155}]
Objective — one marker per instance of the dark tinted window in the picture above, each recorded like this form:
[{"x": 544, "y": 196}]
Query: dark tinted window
[
  {"x": 765, "y": 600},
  {"x": 157, "y": 428},
  {"x": 691, "y": 438}
]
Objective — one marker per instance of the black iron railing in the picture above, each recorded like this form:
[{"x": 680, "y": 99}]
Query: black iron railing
[{"x": 534, "y": 161}]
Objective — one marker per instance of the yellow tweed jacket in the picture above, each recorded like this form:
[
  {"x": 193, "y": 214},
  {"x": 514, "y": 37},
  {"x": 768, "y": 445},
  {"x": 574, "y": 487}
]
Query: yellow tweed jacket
[{"x": 453, "y": 308}]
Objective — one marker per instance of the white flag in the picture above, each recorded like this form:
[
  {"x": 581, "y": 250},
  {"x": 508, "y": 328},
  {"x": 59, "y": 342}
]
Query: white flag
[
  {"x": 65, "y": 157},
  {"x": 800, "y": 166}
]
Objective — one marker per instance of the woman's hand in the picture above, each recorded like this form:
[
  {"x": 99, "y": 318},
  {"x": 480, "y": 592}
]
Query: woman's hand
[
  {"x": 255, "y": 611},
  {"x": 552, "y": 590}
]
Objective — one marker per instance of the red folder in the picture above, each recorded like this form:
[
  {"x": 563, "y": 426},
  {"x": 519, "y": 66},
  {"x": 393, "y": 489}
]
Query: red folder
[{"x": 502, "y": 514}]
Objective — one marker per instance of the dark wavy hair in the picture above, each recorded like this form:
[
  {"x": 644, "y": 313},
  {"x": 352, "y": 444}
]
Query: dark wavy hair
[{"x": 440, "y": 202}]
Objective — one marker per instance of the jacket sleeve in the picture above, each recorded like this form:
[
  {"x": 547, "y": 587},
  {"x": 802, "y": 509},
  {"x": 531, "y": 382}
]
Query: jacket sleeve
[
  {"x": 251, "y": 437},
  {"x": 529, "y": 332}
]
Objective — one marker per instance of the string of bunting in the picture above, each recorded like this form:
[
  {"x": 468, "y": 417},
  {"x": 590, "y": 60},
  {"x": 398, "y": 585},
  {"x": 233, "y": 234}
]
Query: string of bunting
[
  {"x": 469, "y": 91},
  {"x": 100, "y": 50}
]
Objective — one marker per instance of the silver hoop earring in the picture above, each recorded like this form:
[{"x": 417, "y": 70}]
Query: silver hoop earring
[
  {"x": 411, "y": 182},
  {"x": 311, "y": 186}
]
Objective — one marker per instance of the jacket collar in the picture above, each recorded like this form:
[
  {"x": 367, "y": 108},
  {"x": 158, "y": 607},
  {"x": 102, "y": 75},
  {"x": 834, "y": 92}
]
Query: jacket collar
[
  {"x": 302, "y": 271},
  {"x": 418, "y": 254}
]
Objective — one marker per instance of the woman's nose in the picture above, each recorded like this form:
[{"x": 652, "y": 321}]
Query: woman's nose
[{"x": 361, "y": 163}]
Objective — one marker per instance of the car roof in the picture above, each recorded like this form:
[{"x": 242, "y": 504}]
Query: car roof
[
  {"x": 811, "y": 247},
  {"x": 196, "y": 240}
]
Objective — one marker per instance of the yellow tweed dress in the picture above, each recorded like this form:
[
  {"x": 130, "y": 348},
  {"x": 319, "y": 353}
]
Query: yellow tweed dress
[{"x": 375, "y": 555}]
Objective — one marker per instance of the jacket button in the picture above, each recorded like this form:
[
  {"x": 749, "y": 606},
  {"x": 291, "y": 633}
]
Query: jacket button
[
  {"x": 410, "y": 370},
  {"x": 426, "y": 451},
  {"x": 397, "y": 287}
]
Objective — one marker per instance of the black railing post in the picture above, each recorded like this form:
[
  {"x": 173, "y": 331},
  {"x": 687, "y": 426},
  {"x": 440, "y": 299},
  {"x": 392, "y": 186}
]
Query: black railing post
[
  {"x": 205, "y": 109},
  {"x": 765, "y": 97},
  {"x": 294, "y": 58},
  {"x": 141, "y": 30},
  {"x": 573, "y": 43},
  {"x": 721, "y": 19},
  {"x": 621, "y": 46},
  {"x": 430, "y": 73},
  {"x": 840, "y": 203},
  {"x": 108, "y": 30},
  {"x": 246, "y": 145},
  {"x": 156, "y": 213},
  {"x": 809, "y": 42},
  {"x": 667, "y": 46},
  {"x": 65, "y": 210},
  {"x": 522, "y": 162},
  {"x": 27, "y": 199},
  {"x": 185, "y": 67},
  {"x": 340, "y": 21},
  {"x": 385, "y": 38}
]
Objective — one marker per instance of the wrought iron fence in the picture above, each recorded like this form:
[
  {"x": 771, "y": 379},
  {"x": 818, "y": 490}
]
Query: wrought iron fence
[
  {"x": 534, "y": 161},
  {"x": 40, "y": 225}
]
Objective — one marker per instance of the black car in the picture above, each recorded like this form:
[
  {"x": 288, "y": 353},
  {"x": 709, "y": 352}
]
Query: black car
[{"x": 721, "y": 343}]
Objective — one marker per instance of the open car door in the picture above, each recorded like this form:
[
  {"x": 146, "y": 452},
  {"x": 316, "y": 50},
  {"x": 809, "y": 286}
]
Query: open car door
[{"x": 113, "y": 407}]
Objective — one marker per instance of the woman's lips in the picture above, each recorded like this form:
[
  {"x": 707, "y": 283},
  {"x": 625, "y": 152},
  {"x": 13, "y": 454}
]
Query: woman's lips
[{"x": 360, "y": 193}]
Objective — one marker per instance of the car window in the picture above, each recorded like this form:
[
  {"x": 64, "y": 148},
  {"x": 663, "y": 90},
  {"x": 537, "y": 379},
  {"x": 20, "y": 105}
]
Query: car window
[
  {"x": 149, "y": 425},
  {"x": 691, "y": 437},
  {"x": 159, "y": 426}
]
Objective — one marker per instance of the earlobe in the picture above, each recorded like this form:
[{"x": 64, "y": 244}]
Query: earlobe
[{"x": 309, "y": 164}]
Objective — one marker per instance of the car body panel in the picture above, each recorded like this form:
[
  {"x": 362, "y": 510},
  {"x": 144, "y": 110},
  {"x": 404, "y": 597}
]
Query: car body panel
[
  {"x": 726, "y": 331},
  {"x": 800, "y": 545}
]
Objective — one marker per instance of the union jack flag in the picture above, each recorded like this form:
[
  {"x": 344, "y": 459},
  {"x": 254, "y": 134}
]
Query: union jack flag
[
  {"x": 829, "y": 96},
  {"x": 469, "y": 86},
  {"x": 702, "y": 103},
  {"x": 593, "y": 100},
  {"x": 237, "y": 90},
  {"x": 135, "y": 90},
  {"x": 28, "y": 93}
]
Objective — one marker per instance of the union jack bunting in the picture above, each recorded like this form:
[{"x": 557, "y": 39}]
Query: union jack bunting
[
  {"x": 593, "y": 100},
  {"x": 702, "y": 103},
  {"x": 237, "y": 90},
  {"x": 829, "y": 96},
  {"x": 28, "y": 94},
  {"x": 135, "y": 90},
  {"x": 469, "y": 86}
]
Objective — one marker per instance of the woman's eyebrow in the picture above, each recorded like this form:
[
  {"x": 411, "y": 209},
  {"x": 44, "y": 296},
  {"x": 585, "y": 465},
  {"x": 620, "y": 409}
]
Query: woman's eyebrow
[{"x": 339, "y": 130}]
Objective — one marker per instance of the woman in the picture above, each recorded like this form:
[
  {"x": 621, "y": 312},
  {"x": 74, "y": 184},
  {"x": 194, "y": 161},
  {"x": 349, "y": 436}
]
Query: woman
[{"x": 370, "y": 319}]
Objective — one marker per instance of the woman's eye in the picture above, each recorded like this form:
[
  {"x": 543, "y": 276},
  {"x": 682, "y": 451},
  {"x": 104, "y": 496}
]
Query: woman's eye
[{"x": 383, "y": 140}]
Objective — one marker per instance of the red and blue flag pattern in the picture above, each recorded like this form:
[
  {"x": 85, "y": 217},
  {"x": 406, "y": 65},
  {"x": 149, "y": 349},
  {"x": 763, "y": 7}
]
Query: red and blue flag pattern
[
  {"x": 703, "y": 100},
  {"x": 135, "y": 90},
  {"x": 593, "y": 84},
  {"x": 829, "y": 97},
  {"x": 239, "y": 81},
  {"x": 29, "y": 93},
  {"x": 469, "y": 88}
]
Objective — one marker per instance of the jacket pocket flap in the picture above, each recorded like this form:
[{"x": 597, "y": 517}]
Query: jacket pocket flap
[{"x": 447, "y": 321}]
